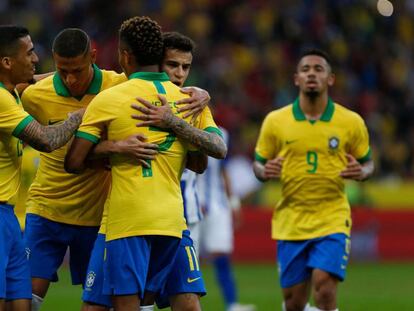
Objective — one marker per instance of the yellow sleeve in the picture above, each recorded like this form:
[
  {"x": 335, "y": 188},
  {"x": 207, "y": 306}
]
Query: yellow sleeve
[
  {"x": 359, "y": 147},
  {"x": 266, "y": 146},
  {"x": 205, "y": 121},
  {"x": 99, "y": 113},
  {"x": 13, "y": 119},
  {"x": 27, "y": 101}
]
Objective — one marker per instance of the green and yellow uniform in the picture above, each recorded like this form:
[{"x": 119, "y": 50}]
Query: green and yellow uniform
[
  {"x": 142, "y": 201},
  {"x": 313, "y": 201},
  {"x": 55, "y": 194},
  {"x": 13, "y": 120}
]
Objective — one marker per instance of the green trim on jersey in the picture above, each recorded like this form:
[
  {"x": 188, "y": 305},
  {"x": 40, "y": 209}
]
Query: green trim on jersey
[
  {"x": 94, "y": 87},
  {"x": 326, "y": 116},
  {"x": 149, "y": 76},
  {"x": 3, "y": 86},
  {"x": 22, "y": 125},
  {"x": 87, "y": 136},
  {"x": 366, "y": 157},
  {"x": 160, "y": 88},
  {"x": 260, "y": 159},
  {"x": 212, "y": 129}
]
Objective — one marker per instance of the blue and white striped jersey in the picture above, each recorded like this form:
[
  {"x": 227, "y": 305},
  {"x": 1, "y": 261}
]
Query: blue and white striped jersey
[{"x": 192, "y": 208}]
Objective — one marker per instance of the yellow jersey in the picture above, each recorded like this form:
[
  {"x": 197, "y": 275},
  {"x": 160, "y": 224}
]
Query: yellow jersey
[
  {"x": 313, "y": 202},
  {"x": 142, "y": 201},
  {"x": 13, "y": 120},
  {"x": 54, "y": 193}
]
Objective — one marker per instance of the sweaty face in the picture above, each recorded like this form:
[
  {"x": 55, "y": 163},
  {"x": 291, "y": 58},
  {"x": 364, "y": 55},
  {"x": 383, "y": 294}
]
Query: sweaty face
[
  {"x": 23, "y": 62},
  {"x": 75, "y": 72},
  {"x": 177, "y": 65},
  {"x": 313, "y": 75}
]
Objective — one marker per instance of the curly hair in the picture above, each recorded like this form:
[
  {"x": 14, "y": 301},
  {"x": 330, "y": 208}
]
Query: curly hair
[
  {"x": 178, "y": 41},
  {"x": 144, "y": 37}
]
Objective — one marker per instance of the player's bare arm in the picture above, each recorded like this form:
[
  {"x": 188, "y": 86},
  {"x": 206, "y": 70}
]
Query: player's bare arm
[
  {"x": 49, "y": 138},
  {"x": 75, "y": 159},
  {"x": 271, "y": 170},
  {"x": 197, "y": 162},
  {"x": 135, "y": 146},
  {"x": 162, "y": 116},
  {"x": 357, "y": 171},
  {"x": 194, "y": 104}
]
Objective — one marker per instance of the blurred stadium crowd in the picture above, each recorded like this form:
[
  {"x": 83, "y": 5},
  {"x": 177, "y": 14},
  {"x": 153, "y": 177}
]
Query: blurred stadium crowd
[{"x": 247, "y": 51}]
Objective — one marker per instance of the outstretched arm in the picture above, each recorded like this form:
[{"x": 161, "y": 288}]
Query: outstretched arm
[
  {"x": 49, "y": 138},
  {"x": 162, "y": 116},
  {"x": 75, "y": 159},
  {"x": 134, "y": 146}
]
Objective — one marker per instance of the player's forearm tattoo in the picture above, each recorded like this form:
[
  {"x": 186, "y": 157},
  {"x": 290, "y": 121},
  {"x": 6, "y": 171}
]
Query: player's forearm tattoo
[
  {"x": 49, "y": 138},
  {"x": 208, "y": 143}
]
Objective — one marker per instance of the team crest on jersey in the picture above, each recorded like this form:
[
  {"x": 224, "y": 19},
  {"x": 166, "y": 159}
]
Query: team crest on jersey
[
  {"x": 27, "y": 250},
  {"x": 333, "y": 144},
  {"x": 90, "y": 279}
]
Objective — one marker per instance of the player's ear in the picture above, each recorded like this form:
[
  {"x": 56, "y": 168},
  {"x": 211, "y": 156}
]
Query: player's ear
[
  {"x": 6, "y": 62},
  {"x": 296, "y": 79},
  {"x": 331, "y": 79},
  {"x": 93, "y": 55}
]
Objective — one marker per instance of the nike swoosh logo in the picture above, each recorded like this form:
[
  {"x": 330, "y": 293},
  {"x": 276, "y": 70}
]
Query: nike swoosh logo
[
  {"x": 290, "y": 141},
  {"x": 51, "y": 122},
  {"x": 193, "y": 280}
]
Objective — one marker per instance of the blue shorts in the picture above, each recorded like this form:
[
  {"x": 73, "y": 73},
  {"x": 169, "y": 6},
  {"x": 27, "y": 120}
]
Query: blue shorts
[
  {"x": 135, "y": 264},
  {"x": 92, "y": 290},
  {"x": 48, "y": 241},
  {"x": 297, "y": 259},
  {"x": 15, "y": 281},
  {"x": 185, "y": 276}
]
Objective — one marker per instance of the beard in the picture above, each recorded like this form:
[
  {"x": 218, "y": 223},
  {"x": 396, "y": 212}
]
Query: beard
[{"x": 312, "y": 94}]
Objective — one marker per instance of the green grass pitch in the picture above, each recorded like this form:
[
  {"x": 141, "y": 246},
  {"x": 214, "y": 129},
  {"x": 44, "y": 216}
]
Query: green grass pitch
[{"x": 370, "y": 286}]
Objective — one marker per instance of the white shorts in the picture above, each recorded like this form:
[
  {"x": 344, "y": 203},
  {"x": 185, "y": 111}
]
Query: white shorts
[{"x": 216, "y": 232}]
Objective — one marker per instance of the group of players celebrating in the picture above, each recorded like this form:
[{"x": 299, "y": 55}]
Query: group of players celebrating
[{"x": 113, "y": 194}]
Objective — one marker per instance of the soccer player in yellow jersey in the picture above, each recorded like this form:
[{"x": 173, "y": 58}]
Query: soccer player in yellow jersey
[
  {"x": 64, "y": 210},
  {"x": 185, "y": 283},
  {"x": 138, "y": 223},
  {"x": 17, "y": 65},
  {"x": 312, "y": 145}
]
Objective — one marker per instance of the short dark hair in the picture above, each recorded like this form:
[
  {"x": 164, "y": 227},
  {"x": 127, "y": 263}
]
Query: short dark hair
[
  {"x": 9, "y": 37},
  {"x": 144, "y": 37},
  {"x": 178, "y": 41},
  {"x": 317, "y": 52},
  {"x": 71, "y": 42}
]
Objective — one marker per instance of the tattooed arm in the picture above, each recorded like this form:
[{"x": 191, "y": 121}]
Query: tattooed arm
[
  {"x": 162, "y": 116},
  {"x": 49, "y": 138}
]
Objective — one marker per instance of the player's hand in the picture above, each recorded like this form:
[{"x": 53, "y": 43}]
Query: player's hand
[
  {"x": 80, "y": 112},
  {"x": 273, "y": 168},
  {"x": 353, "y": 170},
  {"x": 195, "y": 104},
  {"x": 237, "y": 218},
  {"x": 136, "y": 147},
  {"x": 160, "y": 116}
]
